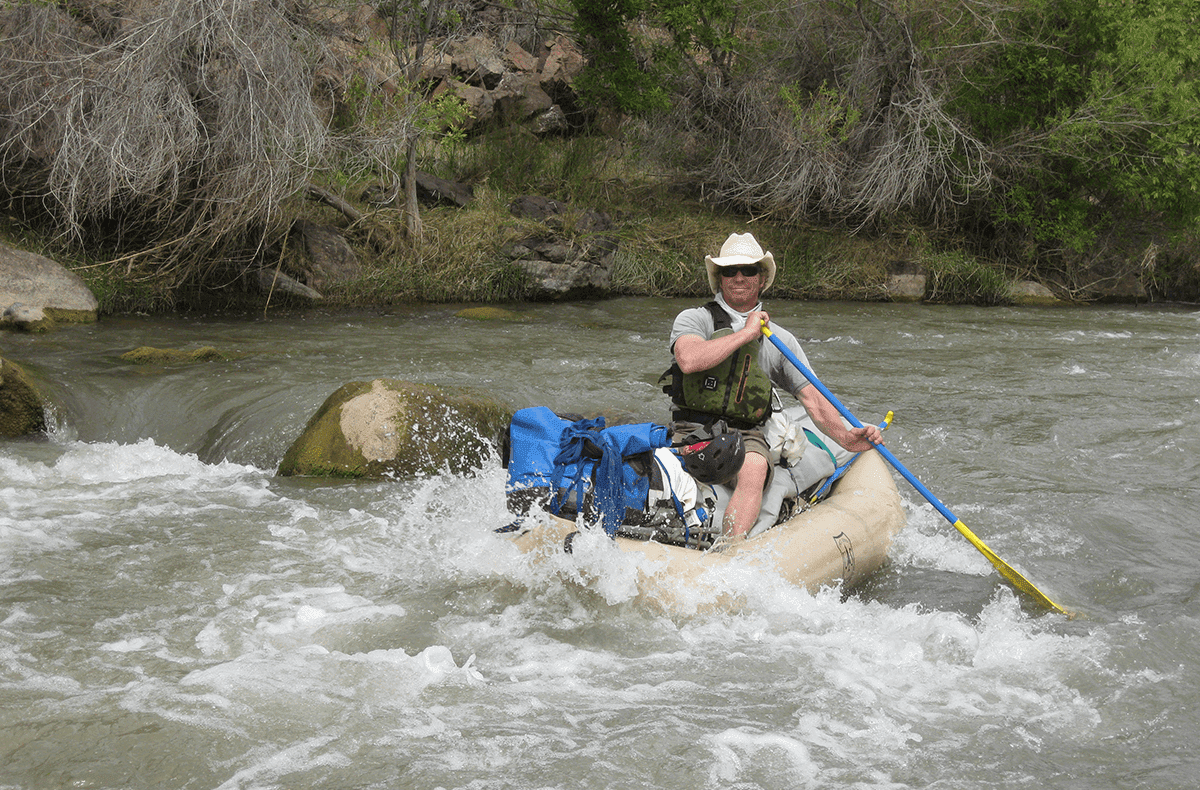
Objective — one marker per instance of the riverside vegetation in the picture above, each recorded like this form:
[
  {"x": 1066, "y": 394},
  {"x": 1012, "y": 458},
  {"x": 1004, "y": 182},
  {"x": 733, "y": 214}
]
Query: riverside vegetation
[{"x": 164, "y": 150}]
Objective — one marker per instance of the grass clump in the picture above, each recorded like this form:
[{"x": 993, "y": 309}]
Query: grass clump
[{"x": 957, "y": 278}]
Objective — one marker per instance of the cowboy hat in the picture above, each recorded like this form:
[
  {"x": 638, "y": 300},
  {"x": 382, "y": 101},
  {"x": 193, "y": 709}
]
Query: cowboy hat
[{"x": 740, "y": 249}]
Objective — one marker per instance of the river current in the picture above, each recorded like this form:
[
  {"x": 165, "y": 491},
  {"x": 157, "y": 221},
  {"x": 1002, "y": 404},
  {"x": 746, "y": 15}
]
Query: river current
[{"x": 173, "y": 615}]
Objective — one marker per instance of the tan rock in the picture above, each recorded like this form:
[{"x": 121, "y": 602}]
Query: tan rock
[
  {"x": 27, "y": 318},
  {"x": 37, "y": 283},
  {"x": 369, "y": 24},
  {"x": 435, "y": 64},
  {"x": 330, "y": 258},
  {"x": 396, "y": 428},
  {"x": 479, "y": 101},
  {"x": 519, "y": 59},
  {"x": 1027, "y": 292},
  {"x": 906, "y": 287},
  {"x": 478, "y": 60},
  {"x": 519, "y": 96},
  {"x": 369, "y": 422},
  {"x": 563, "y": 64}
]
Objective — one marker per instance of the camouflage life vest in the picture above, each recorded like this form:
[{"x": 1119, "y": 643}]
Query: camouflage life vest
[{"x": 735, "y": 389}]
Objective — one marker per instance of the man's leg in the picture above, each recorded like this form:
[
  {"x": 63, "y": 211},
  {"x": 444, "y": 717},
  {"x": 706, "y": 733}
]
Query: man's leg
[{"x": 746, "y": 500}]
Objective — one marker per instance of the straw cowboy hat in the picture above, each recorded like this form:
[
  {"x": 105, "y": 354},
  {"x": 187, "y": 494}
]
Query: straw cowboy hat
[{"x": 740, "y": 249}]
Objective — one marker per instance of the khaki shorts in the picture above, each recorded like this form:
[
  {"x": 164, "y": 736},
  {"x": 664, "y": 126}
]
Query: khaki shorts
[{"x": 755, "y": 441}]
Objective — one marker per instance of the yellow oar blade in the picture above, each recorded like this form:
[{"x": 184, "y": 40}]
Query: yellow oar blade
[{"x": 1008, "y": 571}]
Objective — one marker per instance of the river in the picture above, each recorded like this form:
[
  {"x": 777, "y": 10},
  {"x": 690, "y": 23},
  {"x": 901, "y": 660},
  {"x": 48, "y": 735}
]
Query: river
[{"x": 173, "y": 615}]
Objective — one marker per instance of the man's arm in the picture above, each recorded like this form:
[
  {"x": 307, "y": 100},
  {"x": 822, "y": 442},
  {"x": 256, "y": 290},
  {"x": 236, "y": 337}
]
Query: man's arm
[
  {"x": 694, "y": 353},
  {"x": 829, "y": 420}
]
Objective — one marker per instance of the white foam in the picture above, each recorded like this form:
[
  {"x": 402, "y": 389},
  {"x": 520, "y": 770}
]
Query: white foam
[
  {"x": 130, "y": 645},
  {"x": 310, "y": 647},
  {"x": 729, "y": 748},
  {"x": 270, "y": 765}
]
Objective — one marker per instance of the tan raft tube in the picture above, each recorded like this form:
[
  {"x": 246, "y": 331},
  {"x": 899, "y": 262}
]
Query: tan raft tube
[{"x": 843, "y": 539}]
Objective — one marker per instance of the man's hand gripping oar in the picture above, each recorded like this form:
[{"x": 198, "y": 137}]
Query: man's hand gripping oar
[{"x": 1007, "y": 571}]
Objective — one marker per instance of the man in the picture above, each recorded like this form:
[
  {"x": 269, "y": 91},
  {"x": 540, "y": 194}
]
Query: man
[{"x": 726, "y": 372}]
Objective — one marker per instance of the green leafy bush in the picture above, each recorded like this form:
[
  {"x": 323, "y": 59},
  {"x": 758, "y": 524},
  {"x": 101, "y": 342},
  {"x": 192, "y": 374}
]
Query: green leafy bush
[{"x": 1093, "y": 111}]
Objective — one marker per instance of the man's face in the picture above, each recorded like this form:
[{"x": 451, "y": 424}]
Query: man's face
[{"x": 740, "y": 286}]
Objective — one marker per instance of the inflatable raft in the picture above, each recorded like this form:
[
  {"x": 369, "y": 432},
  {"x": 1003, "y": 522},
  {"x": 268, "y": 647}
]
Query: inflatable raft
[{"x": 841, "y": 540}]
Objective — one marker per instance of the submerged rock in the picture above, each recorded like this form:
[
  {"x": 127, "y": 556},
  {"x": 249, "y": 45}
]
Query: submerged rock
[
  {"x": 396, "y": 428},
  {"x": 490, "y": 314},
  {"x": 148, "y": 355},
  {"x": 22, "y": 410}
]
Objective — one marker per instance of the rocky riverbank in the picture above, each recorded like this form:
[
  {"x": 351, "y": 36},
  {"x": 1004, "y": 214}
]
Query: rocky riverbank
[{"x": 537, "y": 237}]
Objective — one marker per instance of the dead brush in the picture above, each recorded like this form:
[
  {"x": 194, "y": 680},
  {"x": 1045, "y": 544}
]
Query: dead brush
[{"x": 177, "y": 128}]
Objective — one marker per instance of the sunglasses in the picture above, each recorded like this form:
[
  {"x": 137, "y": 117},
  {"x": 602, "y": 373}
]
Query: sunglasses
[{"x": 746, "y": 271}]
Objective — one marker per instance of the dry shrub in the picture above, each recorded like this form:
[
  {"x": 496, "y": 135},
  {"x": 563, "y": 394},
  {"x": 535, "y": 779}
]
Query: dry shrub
[
  {"x": 177, "y": 128},
  {"x": 832, "y": 113}
]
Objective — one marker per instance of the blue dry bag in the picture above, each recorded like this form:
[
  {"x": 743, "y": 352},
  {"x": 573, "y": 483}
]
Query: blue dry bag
[{"x": 579, "y": 466}]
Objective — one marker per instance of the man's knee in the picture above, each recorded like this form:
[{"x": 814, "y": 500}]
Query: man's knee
[{"x": 754, "y": 471}]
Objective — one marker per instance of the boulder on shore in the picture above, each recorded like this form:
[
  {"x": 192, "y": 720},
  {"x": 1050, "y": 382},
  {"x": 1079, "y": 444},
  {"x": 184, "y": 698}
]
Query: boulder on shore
[
  {"x": 573, "y": 258},
  {"x": 36, "y": 292},
  {"x": 22, "y": 411},
  {"x": 1028, "y": 292},
  {"x": 388, "y": 427}
]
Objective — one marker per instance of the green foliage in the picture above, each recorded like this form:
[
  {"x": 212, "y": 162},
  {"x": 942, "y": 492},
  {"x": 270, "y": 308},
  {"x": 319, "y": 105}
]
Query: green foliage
[
  {"x": 826, "y": 113},
  {"x": 505, "y": 156},
  {"x": 360, "y": 104},
  {"x": 446, "y": 114},
  {"x": 1153, "y": 58},
  {"x": 630, "y": 75},
  {"x": 613, "y": 75},
  {"x": 1028, "y": 81},
  {"x": 364, "y": 105},
  {"x": 1175, "y": 273},
  {"x": 817, "y": 264},
  {"x": 1096, "y": 106},
  {"x": 572, "y": 169},
  {"x": 116, "y": 292},
  {"x": 707, "y": 25}
]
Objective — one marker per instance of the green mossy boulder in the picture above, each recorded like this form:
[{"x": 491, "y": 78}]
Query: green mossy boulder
[
  {"x": 148, "y": 355},
  {"x": 22, "y": 410},
  {"x": 396, "y": 428},
  {"x": 490, "y": 314}
]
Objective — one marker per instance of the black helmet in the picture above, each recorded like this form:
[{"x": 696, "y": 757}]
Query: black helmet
[{"x": 716, "y": 462}]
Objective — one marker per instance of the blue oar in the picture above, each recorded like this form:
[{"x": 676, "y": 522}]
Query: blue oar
[{"x": 1006, "y": 570}]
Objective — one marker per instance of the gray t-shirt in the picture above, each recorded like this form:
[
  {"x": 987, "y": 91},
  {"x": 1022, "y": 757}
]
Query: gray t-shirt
[{"x": 783, "y": 374}]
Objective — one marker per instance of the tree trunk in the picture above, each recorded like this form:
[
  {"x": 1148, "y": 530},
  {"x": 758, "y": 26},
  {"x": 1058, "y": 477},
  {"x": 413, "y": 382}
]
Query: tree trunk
[{"x": 412, "y": 210}]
